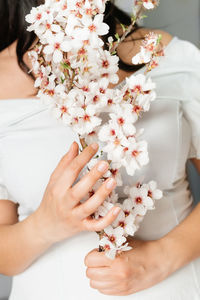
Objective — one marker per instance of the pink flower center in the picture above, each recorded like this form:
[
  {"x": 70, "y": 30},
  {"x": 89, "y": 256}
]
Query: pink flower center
[
  {"x": 135, "y": 153},
  {"x": 105, "y": 64},
  {"x": 122, "y": 224},
  {"x": 107, "y": 247},
  {"x": 92, "y": 133},
  {"x": 102, "y": 91},
  {"x": 57, "y": 45},
  {"x": 127, "y": 213},
  {"x": 112, "y": 132},
  {"x": 96, "y": 99},
  {"x": 92, "y": 28},
  {"x": 150, "y": 194},
  {"x": 39, "y": 17},
  {"x": 51, "y": 92},
  {"x": 137, "y": 89},
  {"x": 89, "y": 12},
  {"x": 110, "y": 102},
  {"x": 114, "y": 172},
  {"x": 85, "y": 88},
  {"x": 120, "y": 121},
  {"x": 63, "y": 109},
  {"x": 86, "y": 118},
  {"x": 78, "y": 4},
  {"x": 81, "y": 51},
  {"x": 112, "y": 238},
  {"x": 137, "y": 109},
  {"x": 138, "y": 200}
]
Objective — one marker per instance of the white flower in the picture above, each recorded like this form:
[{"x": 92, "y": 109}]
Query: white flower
[
  {"x": 141, "y": 201},
  {"x": 115, "y": 173},
  {"x": 140, "y": 84},
  {"x": 148, "y": 4},
  {"x": 153, "y": 191},
  {"x": 92, "y": 29},
  {"x": 116, "y": 141},
  {"x": 127, "y": 207},
  {"x": 103, "y": 209},
  {"x": 142, "y": 57},
  {"x": 135, "y": 156},
  {"x": 57, "y": 45},
  {"x": 127, "y": 223},
  {"x": 124, "y": 117},
  {"x": 108, "y": 64},
  {"x": 115, "y": 235},
  {"x": 109, "y": 248}
]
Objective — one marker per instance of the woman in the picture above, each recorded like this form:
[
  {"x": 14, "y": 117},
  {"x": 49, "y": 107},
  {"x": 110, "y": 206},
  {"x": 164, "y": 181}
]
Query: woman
[{"x": 46, "y": 236}]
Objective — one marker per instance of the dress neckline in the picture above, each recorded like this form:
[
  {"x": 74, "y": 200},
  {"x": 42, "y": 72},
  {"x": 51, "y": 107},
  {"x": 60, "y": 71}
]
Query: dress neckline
[{"x": 37, "y": 100}]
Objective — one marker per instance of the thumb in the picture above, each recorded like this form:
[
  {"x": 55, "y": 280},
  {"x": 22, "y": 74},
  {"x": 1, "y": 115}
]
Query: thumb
[{"x": 65, "y": 161}]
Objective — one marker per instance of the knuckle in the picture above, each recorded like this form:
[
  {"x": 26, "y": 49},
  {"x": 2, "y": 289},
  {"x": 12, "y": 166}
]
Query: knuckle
[
  {"x": 92, "y": 284},
  {"x": 53, "y": 177},
  {"x": 124, "y": 271},
  {"x": 72, "y": 194},
  {"x": 86, "y": 210},
  {"x": 75, "y": 166},
  {"x": 54, "y": 191},
  {"x": 99, "y": 226},
  {"x": 88, "y": 273}
]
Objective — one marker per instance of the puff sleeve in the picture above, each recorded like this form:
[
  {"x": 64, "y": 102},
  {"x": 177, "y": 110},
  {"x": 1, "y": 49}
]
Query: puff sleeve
[
  {"x": 191, "y": 106},
  {"x": 4, "y": 194}
]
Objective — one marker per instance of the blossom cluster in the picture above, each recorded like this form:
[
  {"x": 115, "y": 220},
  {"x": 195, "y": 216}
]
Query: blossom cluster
[
  {"x": 148, "y": 4},
  {"x": 73, "y": 75}
]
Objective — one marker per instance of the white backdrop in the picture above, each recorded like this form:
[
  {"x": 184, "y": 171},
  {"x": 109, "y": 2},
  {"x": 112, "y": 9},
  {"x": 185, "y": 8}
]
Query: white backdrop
[{"x": 178, "y": 17}]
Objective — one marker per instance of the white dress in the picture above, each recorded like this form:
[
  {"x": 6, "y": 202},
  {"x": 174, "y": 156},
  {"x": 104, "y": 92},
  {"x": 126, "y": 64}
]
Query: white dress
[{"x": 32, "y": 142}]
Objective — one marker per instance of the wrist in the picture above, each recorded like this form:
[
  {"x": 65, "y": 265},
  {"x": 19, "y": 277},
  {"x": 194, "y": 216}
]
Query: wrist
[
  {"x": 39, "y": 229},
  {"x": 174, "y": 252}
]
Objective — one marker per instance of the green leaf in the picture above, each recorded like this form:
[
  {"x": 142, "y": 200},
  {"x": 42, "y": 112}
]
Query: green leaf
[
  {"x": 65, "y": 66},
  {"x": 143, "y": 17},
  {"x": 123, "y": 27},
  {"x": 117, "y": 37}
]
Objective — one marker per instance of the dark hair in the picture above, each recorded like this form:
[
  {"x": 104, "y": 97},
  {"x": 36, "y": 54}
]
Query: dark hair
[
  {"x": 13, "y": 27},
  {"x": 113, "y": 17}
]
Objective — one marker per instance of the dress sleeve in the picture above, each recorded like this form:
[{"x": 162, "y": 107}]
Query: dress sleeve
[
  {"x": 4, "y": 194},
  {"x": 191, "y": 107}
]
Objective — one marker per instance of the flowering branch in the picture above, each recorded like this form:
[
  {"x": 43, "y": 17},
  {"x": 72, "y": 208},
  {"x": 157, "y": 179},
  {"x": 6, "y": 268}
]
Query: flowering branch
[{"x": 73, "y": 76}]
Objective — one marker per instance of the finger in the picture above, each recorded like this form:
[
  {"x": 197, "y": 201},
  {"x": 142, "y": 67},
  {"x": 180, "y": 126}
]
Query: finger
[
  {"x": 71, "y": 173},
  {"x": 105, "y": 285},
  {"x": 99, "y": 274},
  {"x": 87, "y": 182},
  {"x": 65, "y": 161},
  {"x": 95, "y": 259},
  {"x": 98, "y": 225},
  {"x": 91, "y": 205},
  {"x": 114, "y": 292}
]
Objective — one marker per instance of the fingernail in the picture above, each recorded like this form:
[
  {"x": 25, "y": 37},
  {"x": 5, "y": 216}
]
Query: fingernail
[
  {"x": 102, "y": 167},
  {"x": 110, "y": 184},
  {"x": 116, "y": 210},
  {"x": 95, "y": 146}
]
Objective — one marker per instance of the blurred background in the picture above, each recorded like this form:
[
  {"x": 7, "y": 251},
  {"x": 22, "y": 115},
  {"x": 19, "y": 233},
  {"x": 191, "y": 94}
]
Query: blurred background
[{"x": 182, "y": 19}]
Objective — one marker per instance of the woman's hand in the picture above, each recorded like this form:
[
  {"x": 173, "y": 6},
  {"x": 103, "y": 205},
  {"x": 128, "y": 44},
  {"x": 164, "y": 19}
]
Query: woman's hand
[
  {"x": 135, "y": 270},
  {"x": 61, "y": 215}
]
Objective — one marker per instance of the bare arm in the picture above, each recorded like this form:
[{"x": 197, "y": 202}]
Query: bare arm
[
  {"x": 20, "y": 243},
  {"x": 184, "y": 240},
  {"x": 60, "y": 214},
  {"x": 149, "y": 262}
]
